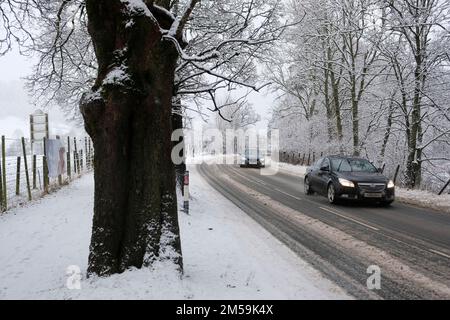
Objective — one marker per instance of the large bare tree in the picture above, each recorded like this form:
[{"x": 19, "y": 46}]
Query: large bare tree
[{"x": 147, "y": 63}]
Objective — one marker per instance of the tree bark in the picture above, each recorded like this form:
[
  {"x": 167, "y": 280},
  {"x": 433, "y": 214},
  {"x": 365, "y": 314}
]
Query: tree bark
[{"x": 128, "y": 116}]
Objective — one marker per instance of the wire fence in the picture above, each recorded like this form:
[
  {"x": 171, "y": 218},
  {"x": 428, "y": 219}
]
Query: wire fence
[{"x": 24, "y": 174}]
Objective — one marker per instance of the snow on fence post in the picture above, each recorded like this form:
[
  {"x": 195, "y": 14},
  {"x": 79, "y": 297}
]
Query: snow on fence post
[
  {"x": 186, "y": 192},
  {"x": 27, "y": 176},
  {"x": 5, "y": 192},
  {"x": 445, "y": 187},
  {"x": 18, "y": 177}
]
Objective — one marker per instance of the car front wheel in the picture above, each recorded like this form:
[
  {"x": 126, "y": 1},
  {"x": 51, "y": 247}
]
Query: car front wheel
[
  {"x": 331, "y": 194},
  {"x": 308, "y": 190}
]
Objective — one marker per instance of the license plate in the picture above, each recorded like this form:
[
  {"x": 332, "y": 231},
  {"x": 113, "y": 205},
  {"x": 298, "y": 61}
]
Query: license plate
[{"x": 373, "y": 195}]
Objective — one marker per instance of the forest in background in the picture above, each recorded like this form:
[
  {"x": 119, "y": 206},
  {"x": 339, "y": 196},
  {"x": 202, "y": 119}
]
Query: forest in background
[{"x": 368, "y": 78}]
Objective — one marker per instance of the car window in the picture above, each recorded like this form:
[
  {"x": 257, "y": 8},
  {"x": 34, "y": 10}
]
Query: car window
[
  {"x": 352, "y": 165},
  {"x": 340, "y": 165},
  {"x": 318, "y": 164},
  {"x": 362, "y": 166},
  {"x": 325, "y": 163}
]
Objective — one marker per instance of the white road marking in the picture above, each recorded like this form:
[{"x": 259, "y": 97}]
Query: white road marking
[
  {"x": 440, "y": 253},
  {"x": 350, "y": 219},
  {"x": 287, "y": 194},
  {"x": 252, "y": 179}
]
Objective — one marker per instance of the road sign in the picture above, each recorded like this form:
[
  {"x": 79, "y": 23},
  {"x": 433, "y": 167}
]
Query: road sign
[{"x": 38, "y": 129}]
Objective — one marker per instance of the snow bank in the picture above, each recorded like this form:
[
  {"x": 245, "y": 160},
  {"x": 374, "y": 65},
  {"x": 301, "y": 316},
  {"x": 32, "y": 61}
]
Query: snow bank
[
  {"x": 226, "y": 254},
  {"x": 424, "y": 199},
  {"x": 292, "y": 169}
]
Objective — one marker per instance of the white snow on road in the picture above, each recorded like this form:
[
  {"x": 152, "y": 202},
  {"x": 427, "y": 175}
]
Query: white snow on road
[{"x": 226, "y": 254}]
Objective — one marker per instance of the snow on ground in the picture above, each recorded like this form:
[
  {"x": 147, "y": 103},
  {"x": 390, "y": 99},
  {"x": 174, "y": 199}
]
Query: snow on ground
[
  {"x": 424, "y": 199},
  {"x": 226, "y": 254},
  {"x": 419, "y": 198},
  {"x": 289, "y": 168}
]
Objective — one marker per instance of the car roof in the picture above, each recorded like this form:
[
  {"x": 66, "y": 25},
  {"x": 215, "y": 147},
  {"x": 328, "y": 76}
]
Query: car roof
[{"x": 345, "y": 157}]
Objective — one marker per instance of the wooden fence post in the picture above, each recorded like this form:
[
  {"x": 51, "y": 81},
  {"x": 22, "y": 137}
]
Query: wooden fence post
[
  {"x": 45, "y": 168},
  {"x": 34, "y": 171},
  {"x": 69, "y": 164},
  {"x": 1, "y": 188},
  {"x": 5, "y": 192},
  {"x": 75, "y": 160},
  {"x": 18, "y": 177},
  {"x": 445, "y": 187},
  {"x": 81, "y": 160},
  {"x": 86, "y": 153},
  {"x": 90, "y": 153},
  {"x": 27, "y": 176}
]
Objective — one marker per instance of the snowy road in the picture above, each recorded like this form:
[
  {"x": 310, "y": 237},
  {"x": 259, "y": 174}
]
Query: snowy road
[{"x": 410, "y": 245}]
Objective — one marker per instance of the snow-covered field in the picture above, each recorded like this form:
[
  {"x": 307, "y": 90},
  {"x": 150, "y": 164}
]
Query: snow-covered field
[{"x": 226, "y": 254}]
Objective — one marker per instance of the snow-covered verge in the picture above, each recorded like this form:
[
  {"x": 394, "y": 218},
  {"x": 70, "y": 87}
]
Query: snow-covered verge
[
  {"x": 424, "y": 199},
  {"x": 419, "y": 198},
  {"x": 291, "y": 169},
  {"x": 226, "y": 254}
]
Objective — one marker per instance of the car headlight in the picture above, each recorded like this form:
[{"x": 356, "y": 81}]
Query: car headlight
[
  {"x": 391, "y": 184},
  {"x": 346, "y": 183}
]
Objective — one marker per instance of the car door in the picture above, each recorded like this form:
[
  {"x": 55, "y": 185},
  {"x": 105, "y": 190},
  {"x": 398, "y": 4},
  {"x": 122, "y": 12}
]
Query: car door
[
  {"x": 314, "y": 176},
  {"x": 323, "y": 176}
]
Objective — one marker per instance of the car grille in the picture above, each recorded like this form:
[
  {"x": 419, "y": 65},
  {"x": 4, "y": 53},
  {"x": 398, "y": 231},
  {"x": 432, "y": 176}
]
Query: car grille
[{"x": 372, "y": 187}]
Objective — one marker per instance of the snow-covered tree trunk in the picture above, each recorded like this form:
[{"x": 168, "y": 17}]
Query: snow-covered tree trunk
[{"x": 128, "y": 116}]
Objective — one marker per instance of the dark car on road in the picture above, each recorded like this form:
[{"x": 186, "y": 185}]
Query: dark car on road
[
  {"x": 253, "y": 158},
  {"x": 340, "y": 177}
]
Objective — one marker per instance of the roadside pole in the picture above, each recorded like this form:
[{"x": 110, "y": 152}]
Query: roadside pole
[{"x": 186, "y": 192}]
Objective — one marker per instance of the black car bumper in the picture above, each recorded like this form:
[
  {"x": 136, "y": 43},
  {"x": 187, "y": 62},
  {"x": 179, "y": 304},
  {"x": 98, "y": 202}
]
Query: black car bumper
[
  {"x": 253, "y": 164},
  {"x": 366, "y": 194}
]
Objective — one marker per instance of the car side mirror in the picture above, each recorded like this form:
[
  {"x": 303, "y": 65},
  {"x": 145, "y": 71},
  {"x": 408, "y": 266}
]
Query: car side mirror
[
  {"x": 326, "y": 169},
  {"x": 380, "y": 170}
]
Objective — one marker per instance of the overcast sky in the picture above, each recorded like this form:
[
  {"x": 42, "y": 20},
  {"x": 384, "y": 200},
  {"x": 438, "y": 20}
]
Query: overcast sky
[{"x": 15, "y": 106}]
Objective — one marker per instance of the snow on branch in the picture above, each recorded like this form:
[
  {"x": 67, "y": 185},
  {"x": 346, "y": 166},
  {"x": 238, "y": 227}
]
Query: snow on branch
[{"x": 179, "y": 24}]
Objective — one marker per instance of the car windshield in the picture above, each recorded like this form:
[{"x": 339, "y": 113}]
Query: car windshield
[
  {"x": 352, "y": 165},
  {"x": 252, "y": 153}
]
